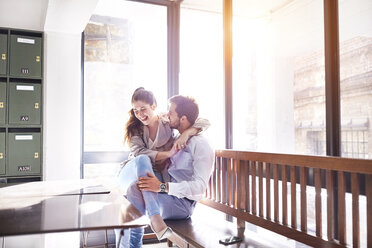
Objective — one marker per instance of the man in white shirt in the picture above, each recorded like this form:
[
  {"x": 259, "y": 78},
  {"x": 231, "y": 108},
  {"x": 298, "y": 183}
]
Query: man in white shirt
[{"x": 189, "y": 171}]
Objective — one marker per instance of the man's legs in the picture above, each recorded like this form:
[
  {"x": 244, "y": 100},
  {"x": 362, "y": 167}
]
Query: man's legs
[{"x": 172, "y": 207}]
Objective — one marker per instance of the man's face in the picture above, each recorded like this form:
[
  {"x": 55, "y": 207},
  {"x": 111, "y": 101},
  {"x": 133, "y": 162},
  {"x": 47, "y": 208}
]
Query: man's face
[{"x": 174, "y": 120}]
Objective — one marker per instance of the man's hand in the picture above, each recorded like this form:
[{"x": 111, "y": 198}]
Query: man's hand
[{"x": 150, "y": 183}]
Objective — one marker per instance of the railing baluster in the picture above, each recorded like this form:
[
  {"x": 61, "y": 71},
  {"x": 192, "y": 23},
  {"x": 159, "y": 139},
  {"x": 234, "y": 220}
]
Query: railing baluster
[
  {"x": 330, "y": 205},
  {"x": 240, "y": 172},
  {"x": 223, "y": 181},
  {"x": 218, "y": 174},
  {"x": 214, "y": 183},
  {"x": 341, "y": 208},
  {"x": 303, "y": 176},
  {"x": 247, "y": 170},
  {"x": 303, "y": 183},
  {"x": 355, "y": 208},
  {"x": 228, "y": 182},
  {"x": 369, "y": 209},
  {"x": 209, "y": 190},
  {"x": 293, "y": 197},
  {"x": 254, "y": 198},
  {"x": 260, "y": 188},
  {"x": 318, "y": 202},
  {"x": 268, "y": 202},
  {"x": 234, "y": 178},
  {"x": 276, "y": 193},
  {"x": 284, "y": 195},
  {"x": 240, "y": 187}
]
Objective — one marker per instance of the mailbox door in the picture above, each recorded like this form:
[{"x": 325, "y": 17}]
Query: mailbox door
[
  {"x": 2, "y": 102},
  {"x": 24, "y": 103},
  {"x": 23, "y": 154},
  {"x": 25, "y": 56},
  {"x": 2, "y": 153},
  {"x": 3, "y": 53}
]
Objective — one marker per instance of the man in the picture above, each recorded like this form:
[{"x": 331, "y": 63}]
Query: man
[{"x": 189, "y": 171}]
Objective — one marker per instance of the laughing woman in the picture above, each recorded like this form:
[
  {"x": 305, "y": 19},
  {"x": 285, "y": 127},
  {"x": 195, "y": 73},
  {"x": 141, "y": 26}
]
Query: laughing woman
[{"x": 151, "y": 143}]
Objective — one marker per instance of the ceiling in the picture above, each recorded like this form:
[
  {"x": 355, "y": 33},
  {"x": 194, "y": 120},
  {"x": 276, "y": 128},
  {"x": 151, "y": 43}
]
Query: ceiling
[
  {"x": 71, "y": 16},
  {"x": 246, "y": 8},
  {"x": 65, "y": 16}
]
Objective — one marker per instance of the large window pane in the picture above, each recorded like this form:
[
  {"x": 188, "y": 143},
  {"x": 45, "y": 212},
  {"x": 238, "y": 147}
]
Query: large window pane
[
  {"x": 201, "y": 63},
  {"x": 278, "y": 76},
  {"x": 355, "y": 22},
  {"x": 125, "y": 48}
]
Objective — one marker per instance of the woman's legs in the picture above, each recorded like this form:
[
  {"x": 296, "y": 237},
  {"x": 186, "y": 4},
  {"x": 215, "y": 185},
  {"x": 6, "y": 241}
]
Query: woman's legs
[
  {"x": 142, "y": 200},
  {"x": 128, "y": 174},
  {"x": 146, "y": 200}
]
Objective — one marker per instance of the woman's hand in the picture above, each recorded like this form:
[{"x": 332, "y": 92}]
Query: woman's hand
[
  {"x": 150, "y": 183},
  {"x": 181, "y": 142},
  {"x": 173, "y": 151},
  {"x": 166, "y": 154}
]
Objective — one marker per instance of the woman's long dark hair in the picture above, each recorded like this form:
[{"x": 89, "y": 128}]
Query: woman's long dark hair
[{"x": 134, "y": 126}]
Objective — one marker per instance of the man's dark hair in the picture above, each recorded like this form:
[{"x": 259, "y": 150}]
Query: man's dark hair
[{"x": 186, "y": 106}]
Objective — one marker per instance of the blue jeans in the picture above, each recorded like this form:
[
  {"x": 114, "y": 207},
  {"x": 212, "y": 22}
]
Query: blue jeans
[
  {"x": 168, "y": 206},
  {"x": 129, "y": 174}
]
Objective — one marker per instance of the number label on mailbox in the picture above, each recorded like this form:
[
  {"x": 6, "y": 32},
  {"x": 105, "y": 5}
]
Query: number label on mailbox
[
  {"x": 25, "y": 71},
  {"x": 24, "y": 118},
  {"x": 24, "y": 168}
]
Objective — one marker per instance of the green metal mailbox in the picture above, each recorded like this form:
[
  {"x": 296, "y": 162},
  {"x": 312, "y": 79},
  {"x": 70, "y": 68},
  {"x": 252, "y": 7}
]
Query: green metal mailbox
[
  {"x": 2, "y": 102},
  {"x": 24, "y": 103},
  {"x": 2, "y": 153},
  {"x": 25, "y": 56},
  {"x": 23, "y": 154},
  {"x": 3, "y": 53}
]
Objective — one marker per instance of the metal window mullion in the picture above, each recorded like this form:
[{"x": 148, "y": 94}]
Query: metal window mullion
[
  {"x": 173, "y": 19},
  {"x": 332, "y": 91},
  {"x": 82, "y": 108},
  {"x": 227, "y": 62},
  {"x": 332, "y": 77}
]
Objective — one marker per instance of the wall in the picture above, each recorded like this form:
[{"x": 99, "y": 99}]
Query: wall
[{"x": 62, "y": 101}]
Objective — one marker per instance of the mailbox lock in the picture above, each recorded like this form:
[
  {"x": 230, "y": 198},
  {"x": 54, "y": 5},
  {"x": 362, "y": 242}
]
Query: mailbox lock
[
  {"x": 36, "y": 105},
  {"x": 3, "y": 56},
  {"x": 37, "y": 58},
  {"x": 36, "y": 155},
  {"x": 1, "y": 155},
  {"x": 1, "y": 105}
]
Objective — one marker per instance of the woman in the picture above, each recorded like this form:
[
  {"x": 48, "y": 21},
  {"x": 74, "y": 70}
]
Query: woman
[{"x": 151, "y": 143}]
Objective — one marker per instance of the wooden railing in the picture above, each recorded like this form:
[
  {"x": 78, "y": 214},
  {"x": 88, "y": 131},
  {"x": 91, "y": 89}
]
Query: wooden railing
[{"x": 243, "y": 184}]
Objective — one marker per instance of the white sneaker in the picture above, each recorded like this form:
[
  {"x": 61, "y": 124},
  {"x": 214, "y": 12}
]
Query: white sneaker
[{"x": 164, "y": 234}]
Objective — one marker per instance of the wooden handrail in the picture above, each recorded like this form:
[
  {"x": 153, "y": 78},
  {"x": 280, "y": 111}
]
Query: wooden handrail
[{"x": 322, "y": 162}]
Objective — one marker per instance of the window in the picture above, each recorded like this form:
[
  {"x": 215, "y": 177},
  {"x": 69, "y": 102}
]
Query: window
[
  {"x": 201, "y": 65},
  {"x": 278, "y": 75},
  {"x": 355, "y": 21},
  {"x": 125, "y": 48}
]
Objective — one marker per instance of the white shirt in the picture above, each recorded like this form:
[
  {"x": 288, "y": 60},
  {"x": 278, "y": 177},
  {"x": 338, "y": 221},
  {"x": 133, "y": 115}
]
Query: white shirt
[{"x": 191, "y": 169}]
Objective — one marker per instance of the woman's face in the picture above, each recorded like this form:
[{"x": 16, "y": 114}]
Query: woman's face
[{"x": 143, "y": 111}]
